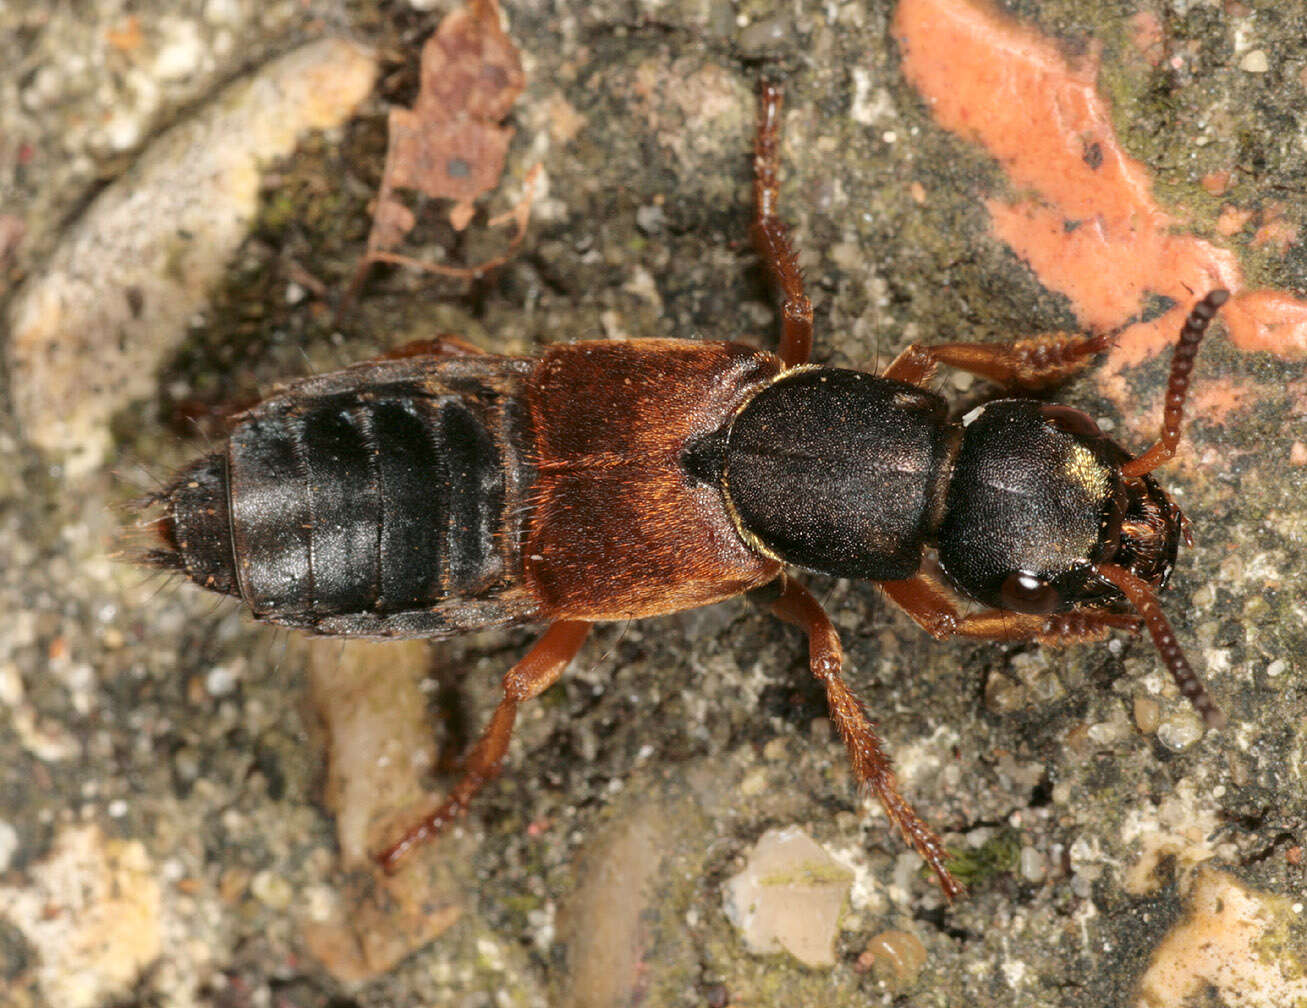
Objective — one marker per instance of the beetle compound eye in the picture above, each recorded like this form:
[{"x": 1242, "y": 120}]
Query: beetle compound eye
[
  {"x": 1070, "y": 421},
  {"x": 1028, "y": 593}
]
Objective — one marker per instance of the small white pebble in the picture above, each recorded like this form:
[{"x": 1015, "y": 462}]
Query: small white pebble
[
  {"x": 822, "y": 730},
  {"x": 222, "y": 12},
  {"x": 1180, "y": 731},
  {"x": 8, "y": 844},
  {"x": 180, "y": 53},
  {"x": 1276, "y": 667},
  {"x": 650, "y": 218},
  {"x": 1255, "y": 62},
  {"x": 122, "y": 132},
  {"x": 490, "y": 952},
  {"x": 754, "y": 785},
  {"x": 980, "y": 836},
  {"x": 1148, "y": 714},
  {"x": 320, "y": 902},
  {"x": 221, "y": 680},
  {"x": 1032, "y": 865},
  {"x": 117, "y": 808},
  {"x": 271, "y": 890},
  {"x": 11, "y": 684}
]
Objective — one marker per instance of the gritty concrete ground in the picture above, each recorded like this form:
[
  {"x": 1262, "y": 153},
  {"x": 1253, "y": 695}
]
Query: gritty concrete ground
[{"x": 163, "y": 837}]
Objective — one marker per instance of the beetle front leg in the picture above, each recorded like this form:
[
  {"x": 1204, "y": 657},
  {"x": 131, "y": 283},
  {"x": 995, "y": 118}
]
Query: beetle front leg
[
  {"x": 935, "y": 610},
  {"x": 1038, "y": 362},
  {"x": 770, "y": 235},
  {"x": 871, "y": 766},
  {"x": 530, "y": 677}
]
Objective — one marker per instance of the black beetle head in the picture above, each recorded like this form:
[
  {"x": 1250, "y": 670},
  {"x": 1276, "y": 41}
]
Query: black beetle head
[{"x": 1037, "y": 501}]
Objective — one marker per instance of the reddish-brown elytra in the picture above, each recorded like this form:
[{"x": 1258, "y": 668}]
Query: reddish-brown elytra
[{"x": 441, "y": 489}]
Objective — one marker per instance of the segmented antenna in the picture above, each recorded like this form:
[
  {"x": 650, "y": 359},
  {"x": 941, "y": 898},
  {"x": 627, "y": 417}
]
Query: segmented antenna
[
  {"x": 1141, "y": 597},
  {"x": 1182, "y": 363}
]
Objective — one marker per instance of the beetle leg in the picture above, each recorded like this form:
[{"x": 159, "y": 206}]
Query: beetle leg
[
  {"x": 871, "y": 767},
  {"x": 1034, "y": 363},
  {"x": 935, "y": 610},
  {"x": 530, "y": 677},
  {"x": 771, "y": 236},
  {"x": 443, "y": 345}
]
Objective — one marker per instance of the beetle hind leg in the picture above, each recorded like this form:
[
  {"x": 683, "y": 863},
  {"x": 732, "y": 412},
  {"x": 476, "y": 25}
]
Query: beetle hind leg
[
  {"x": 535, "y": 673},
  {"x": 871, "y": 766}
]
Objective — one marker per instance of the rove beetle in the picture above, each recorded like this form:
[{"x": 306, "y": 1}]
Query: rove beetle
[{"x": 440, "y": 489}]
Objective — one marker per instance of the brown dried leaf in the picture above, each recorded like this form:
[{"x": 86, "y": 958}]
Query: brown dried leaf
[
  {"x": 519, "y": 216},
  {"x": 391, "y": 221},
  {"x": 451, "y": 145},
  {"x": 456, "y": 159},
  {"x": 470, "y": 67}
]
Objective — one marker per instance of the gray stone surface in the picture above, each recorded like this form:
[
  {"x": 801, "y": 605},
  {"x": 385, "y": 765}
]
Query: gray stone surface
[{"x": 166, "y": 748}]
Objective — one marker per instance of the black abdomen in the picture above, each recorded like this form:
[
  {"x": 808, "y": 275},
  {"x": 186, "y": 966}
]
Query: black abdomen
[{"x": 381, "y": 500}]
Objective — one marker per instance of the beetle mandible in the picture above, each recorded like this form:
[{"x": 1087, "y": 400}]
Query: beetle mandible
[{"x": 440, "y": 489}]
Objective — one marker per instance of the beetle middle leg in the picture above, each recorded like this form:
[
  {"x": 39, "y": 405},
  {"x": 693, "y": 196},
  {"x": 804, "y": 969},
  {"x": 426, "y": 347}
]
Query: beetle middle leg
[
  {"x": 1040, "y": 362},
  {"x": 771, "y": 236},
  {"x": 535, "y": 673},
  {"x": 871, "y": 766}
]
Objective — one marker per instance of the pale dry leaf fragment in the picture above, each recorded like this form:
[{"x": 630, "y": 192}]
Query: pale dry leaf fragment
[
  {"x": 1235, "y": 945},
  {"x": 391, "y": 221},
  {"x": 789, "y": 897},
  {"x": 379, "y": 748},
  {"x": 89, "y": 330},
  {"x": 93, "y": 911}
]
